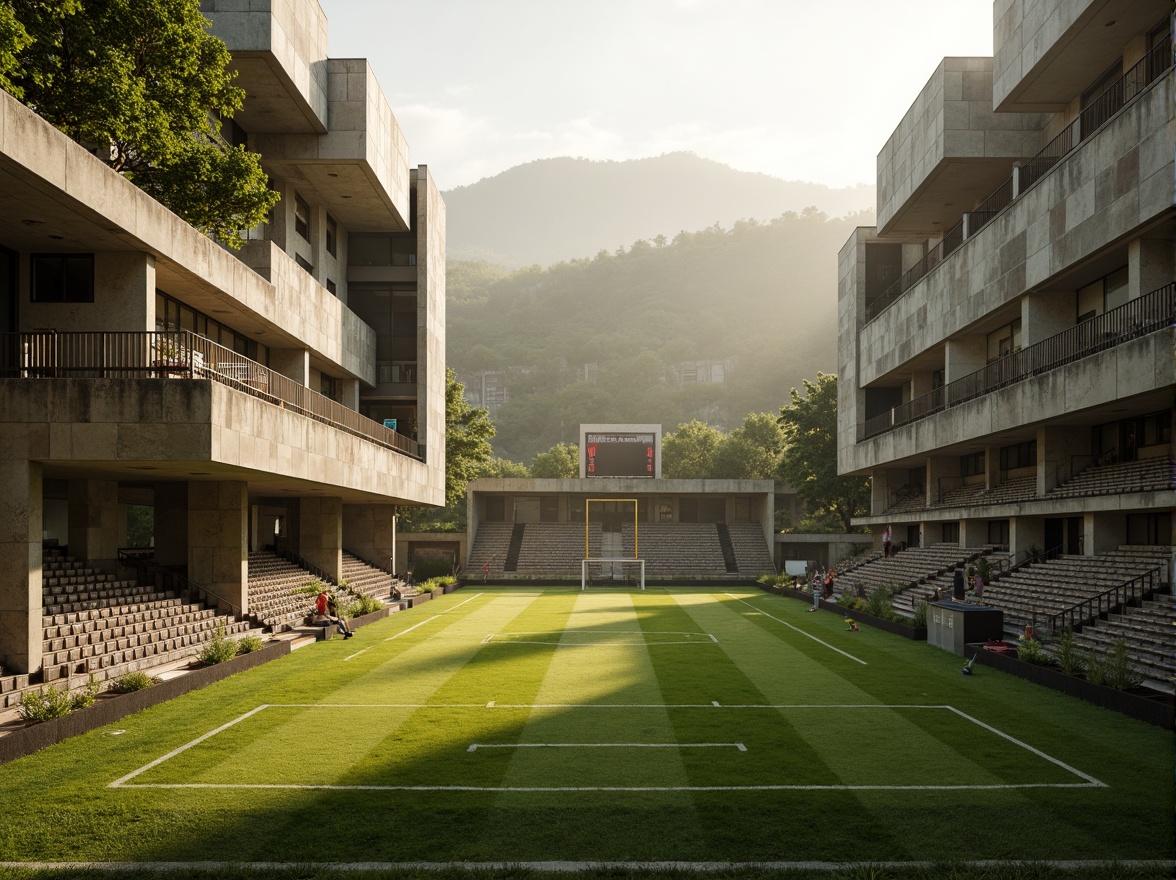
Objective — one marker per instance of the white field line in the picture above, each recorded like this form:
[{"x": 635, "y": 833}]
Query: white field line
[
  {"x": 1090, "y": 781},
  {"x": 475, "y": 746},
  {"x": 122, "y": 780},
  {"x": 799, "y": 630},
  {"x": 635, "y": 639},
  {"x": 411, "y": 628}
]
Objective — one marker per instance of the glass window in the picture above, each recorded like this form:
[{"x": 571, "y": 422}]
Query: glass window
[
  {"x": 972, "y": 464},
  {"x": 369, "y": 250},
  {"x": 301, "y": 217},
  {"x": 62, "y": 278},
  {"x": 1116, "y": 289},
  {"x": 1004, "y": 341},
  {"x": 332, "y": 234}
]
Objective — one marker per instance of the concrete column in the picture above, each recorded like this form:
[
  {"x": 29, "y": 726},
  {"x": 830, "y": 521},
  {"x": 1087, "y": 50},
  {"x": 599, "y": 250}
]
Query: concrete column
[
  {"x": 93, "y": 522},
  {"x": 1056, "y": 448},
  {"x": 20, "y": 565},
  {"x": 369, "y": 531},
  {"x": 1046, "y": 314},
  {"x": 991, "y": 467},
  {"x": 973, "y": 532},
  {"x": 939, "y": 467},
  {"x": 964, "y": 356},
  {"x": 320, "y": 533},
  {"x": 1103, "y": 532},
  {"x": 293, "y": 363},
  {"x": 218, "y": 525},
  {"x": 348, "y": 392},
  {"x": 171, "y": 524},
  {"x": 1025, "y": 532},
  {"x": 1150, "y": 265}
]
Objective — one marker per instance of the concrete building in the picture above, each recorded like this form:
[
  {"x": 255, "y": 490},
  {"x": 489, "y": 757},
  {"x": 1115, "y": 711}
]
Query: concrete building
[
  {"x": 1007, "y": 329},
  {"x": 246, "y": 396}
]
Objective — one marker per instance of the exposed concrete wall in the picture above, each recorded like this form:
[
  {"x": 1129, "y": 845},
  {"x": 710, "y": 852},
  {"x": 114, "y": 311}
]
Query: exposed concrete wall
[
  {"x": 320, "y": 533},
  {"x": 1046, "y": 314},
  {"x": 1024, "y": 30},
  {"x": 1026, "y": 532},
  {"x": 218, "y": 529},
  {"x": 431, "y": 326},
  {"x": 93, "y": 522},
  {"x": 124, "y": 299},
  {"x": 369, "y": 532},
  {"x": 171, "y": 523},
  {"x": 20, "y": 560}
]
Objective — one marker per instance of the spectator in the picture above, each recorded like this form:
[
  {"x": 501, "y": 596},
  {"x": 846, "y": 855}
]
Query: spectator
[{"x": 326, "y": 606}]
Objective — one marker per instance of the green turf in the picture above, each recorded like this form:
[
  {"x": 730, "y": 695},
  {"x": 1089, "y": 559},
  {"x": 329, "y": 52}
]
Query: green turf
[{"x": 669, "y": 725}]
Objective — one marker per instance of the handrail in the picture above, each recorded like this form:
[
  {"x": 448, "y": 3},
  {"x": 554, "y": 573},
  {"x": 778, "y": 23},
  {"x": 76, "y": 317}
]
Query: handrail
[
  {"x": 191, "y": 587},
  {"x": 180, "y": 354},
  {"x": 1006, "y": 566},
  {"x": 291, "y": 556},
  {"x": 1117, "y": 96},
  {"x": 1087, "y": 610},
  {"x": 387, "y": 569},
  {"x": 1146, "y": 314}
]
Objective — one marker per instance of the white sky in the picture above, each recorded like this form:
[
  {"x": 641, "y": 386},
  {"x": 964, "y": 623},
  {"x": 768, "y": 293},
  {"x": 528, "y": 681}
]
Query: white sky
[{"x": 799, "y": 89}]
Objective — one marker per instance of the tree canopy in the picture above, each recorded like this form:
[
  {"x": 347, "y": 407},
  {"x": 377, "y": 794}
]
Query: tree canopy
[
  {"x": 561, "y": 461},
  {"x": 145, "y": 85},
  {"x": 809, "y": 460}
]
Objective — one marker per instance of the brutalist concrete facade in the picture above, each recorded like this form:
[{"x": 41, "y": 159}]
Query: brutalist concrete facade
[
  {"x": 251, "y": 398},
  {"x": 1009, "y": 322}
]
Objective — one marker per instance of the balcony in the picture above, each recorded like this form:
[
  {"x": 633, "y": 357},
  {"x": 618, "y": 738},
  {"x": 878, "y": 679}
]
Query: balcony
[
  {"x": 1147, "y": 314},
  {"x": 1118, "y": 95},
  {"x": 180, "y": 355}
]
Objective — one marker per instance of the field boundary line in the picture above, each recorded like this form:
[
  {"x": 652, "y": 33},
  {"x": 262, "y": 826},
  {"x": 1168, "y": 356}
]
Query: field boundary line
[
  {"x": 798, "y": 629},
  {"x": 475, "y": 746},
  {"x": 298, "y": 786}
]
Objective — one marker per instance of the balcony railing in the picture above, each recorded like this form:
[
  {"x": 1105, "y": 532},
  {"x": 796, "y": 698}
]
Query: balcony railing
[
  {"x": 1118, "y": 95},
  {"x": 1139, "y": 317},
  {"x": 179, "y": 354}
]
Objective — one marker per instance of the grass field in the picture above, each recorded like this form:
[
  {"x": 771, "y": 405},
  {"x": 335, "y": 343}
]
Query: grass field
[{"x": 516, "y": 726}]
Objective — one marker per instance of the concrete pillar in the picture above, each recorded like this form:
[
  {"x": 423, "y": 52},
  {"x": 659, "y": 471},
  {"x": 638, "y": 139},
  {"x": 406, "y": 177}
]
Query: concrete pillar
[
  {"x": 171, "y": 524},
  {"x": 1026, "y": 532},
  {"x": 963, "y": 357},
  {"x": 369, "y": 531},
  {"x": 20, "y": 565},
  {"x": 1046, "y": 314},
  {"x": 973, "y": 532},
  {"x": 1150, "y": 265},
  {"x": 1103, "y": 532},
  {"x": 942, "y": 467},
  {"x": 320, "y": 533},
  {"x": 293, "y": 363},
  {"x": 1056, "y": 451},
  {"x": 218, "y": 525},
  {"x": 93, "y": 522},
  {"x": 348, "y": 392}
]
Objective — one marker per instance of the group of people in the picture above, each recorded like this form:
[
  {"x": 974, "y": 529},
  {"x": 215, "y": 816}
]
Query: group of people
[
  {"x": 822, "y": 586},
  {"x": 326, "y": 606}
]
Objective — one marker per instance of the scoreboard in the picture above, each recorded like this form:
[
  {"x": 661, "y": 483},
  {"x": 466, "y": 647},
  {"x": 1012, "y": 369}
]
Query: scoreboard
[{"x": 620, "y": 454}]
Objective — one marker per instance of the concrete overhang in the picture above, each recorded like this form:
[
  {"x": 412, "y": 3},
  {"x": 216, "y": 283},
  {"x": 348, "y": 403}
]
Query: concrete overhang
[
  {"x": 273, "y": 102},
  {"x": 950, "y": 152},
  {"x": 1050, "y": 55}
]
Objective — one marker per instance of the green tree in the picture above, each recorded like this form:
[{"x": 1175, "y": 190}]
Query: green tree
[
  {"x": 145, "y": 84},
  {"x": 14, "y": 39},
  {"x": 689, "y": 453},
  {"x": 561, "y": 461},
  {"x": 752, "y": 451},
  {"x": 809, "y": 461},
  {"x": 468, "y": 431},
  {"x": 504, "y": 469}
]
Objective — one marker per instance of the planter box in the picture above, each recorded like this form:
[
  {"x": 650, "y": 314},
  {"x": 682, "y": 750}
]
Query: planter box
[
  {"x": 107, "y": 710},
  {"x": 419, "y": 599},
  {"x": 1156, "y": 710},
  {"x": 898, "y": 628}
]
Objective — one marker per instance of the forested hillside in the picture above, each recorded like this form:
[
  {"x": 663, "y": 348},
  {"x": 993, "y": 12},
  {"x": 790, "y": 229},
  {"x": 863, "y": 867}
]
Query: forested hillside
[
  {"x": 560, "y": 209},
  {"x": 604, "y": 339}
]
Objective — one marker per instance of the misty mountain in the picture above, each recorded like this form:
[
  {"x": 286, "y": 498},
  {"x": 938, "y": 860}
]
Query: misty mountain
[
  {"x": 708, "y": 325},
  {"x": 561, "y": 209}
]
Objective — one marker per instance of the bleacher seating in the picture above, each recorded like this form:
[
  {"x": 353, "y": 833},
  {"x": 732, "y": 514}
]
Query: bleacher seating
[
  {"x": 906, "y": 568},
  {"x": 95, "y": 624},
  {"x": 1148, "y": 633},
  {"x": 556, "y": 549},
  {"x": 962, "y": 496},
  {"x": 1145, "y": 475},
  {"x": 752, "y": 554},
  {"x": 274, "y": 585},
  {"x": 490, "y": 547},
  {"x": 367, "y": 579},
  {"x": 687, "y": 550},
  {"x": 1032, "y": 593},
  {"x": 914, "y": 501}
]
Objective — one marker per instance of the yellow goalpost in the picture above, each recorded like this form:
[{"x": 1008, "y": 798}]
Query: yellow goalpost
[
  {"x": 588, "y": 546},
  {"x": 588, "y": 507}
]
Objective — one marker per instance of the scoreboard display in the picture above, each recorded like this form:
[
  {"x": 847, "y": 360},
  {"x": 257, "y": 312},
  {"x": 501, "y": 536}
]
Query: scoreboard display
[{"x": 620, "y": 454}]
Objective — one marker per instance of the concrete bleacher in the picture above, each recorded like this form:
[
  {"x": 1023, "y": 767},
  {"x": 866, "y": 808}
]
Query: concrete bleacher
[
  {"x": 1149, "y": 635},
  {"x": 95, "y": 624},
  {"x": 362, "y": 577},
  {"x": 906, "y": 568},
  {"x": 490, "y": 547},
  {"x": 275, "y": 583},
  {"x": 556, "y": 549},
  {"x": 673, "y": 550},
  {"x": 1030, "y": 594},
  {"x": 752, "y": 555},
  {"x": 1145, "y": 475}
]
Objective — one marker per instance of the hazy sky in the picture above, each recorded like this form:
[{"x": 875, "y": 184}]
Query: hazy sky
[{"x": 800, "y": 89}]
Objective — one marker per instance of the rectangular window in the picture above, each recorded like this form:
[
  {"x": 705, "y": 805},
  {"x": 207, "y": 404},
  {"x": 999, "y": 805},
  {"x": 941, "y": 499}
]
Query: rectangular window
[
  {"x": 1019, "y": 455},
  {"x": 332, "y": 288},
  {"x": 951, "y": 533},
  {"x": 301, "y": 218},
  {"x": 62, "y": 278},
  {"x": 1004, "y": 341},
  {"x": 332, "y": 235},
  {"x": 304, "y": 263},
  {"x": 972, "y": 465}
]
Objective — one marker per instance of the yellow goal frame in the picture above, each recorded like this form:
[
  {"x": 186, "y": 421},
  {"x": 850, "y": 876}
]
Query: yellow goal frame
[{"x": 588, "y": 507}]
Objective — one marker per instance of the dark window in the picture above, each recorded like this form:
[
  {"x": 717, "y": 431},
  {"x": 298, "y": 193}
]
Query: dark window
[
  {"x": 305, "y": 264},
  {"x": 495, "y": 508},
  {"x": 972, "y": 465},
  {"x": 998, "y": 532},
  {"x": 332, "y": 288},
  {"x": 301, "y": 218},
  {"x": 62, "y": 278},
  {"x": 332, "y": 234},
  {"x": 1019, "y": 455},
  {"x": 951, "y": 533}
]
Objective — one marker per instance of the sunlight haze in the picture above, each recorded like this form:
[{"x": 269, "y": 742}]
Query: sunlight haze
[{"x": 798, "y": 90}]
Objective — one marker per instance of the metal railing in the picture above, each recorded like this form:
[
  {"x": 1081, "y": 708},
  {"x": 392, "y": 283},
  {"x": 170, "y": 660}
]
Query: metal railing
[
  {"x": 1135, "y": 590},
  {"x": 179, "y": 354},
  {"x": 174, "y": 582},
  {"x": 291, "y": 556},
  {"x": 1118, "y": 95},
  {"x": 1139, "y": 317}
]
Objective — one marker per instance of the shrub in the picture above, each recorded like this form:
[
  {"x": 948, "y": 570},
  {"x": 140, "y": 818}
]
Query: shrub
[
  {"x": 219, "y": 649},
  {"x": 878, "y": 603},
  {"x": 1098, "y": 669},
  {"x": 248, "y": 644},
  {"x": 45, "y": 705},
  {"x": 1030, "y": 651},
  {"x": 921, "y": 613},
  {"x": 360, "y": 605},
  {"x": 129, "y": 682},
  {"x": 86, "y": 696},
  {"x": 1070, "y": 659},
  {"x": 1121, "y": 675},
  {"x": 428, "y": 568}
]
